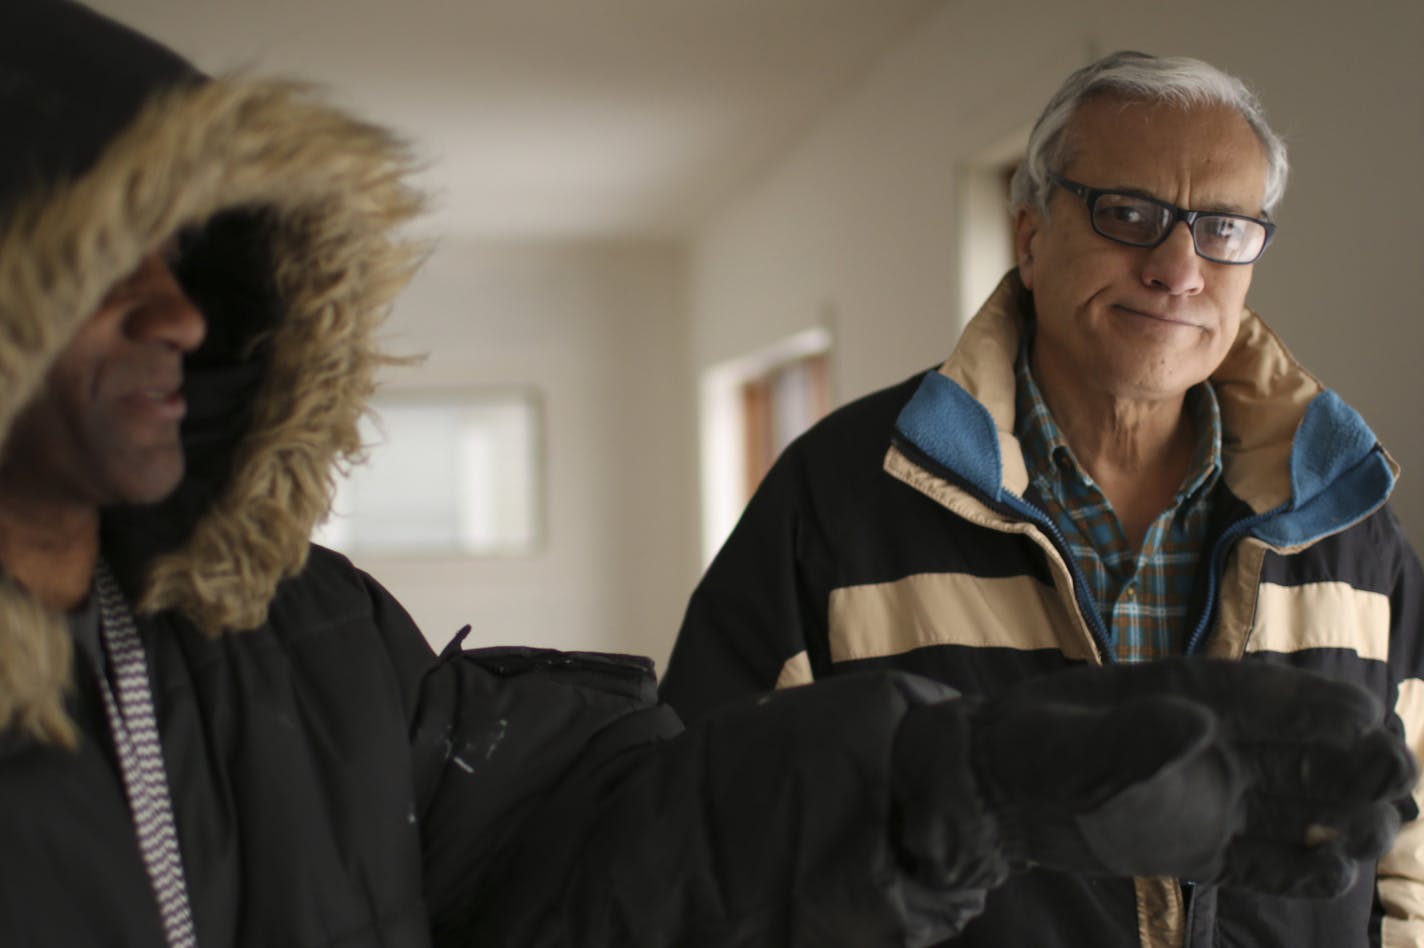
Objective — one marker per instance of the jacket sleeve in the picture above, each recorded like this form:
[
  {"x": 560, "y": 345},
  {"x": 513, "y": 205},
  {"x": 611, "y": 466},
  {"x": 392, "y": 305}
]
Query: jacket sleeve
[
  {"x": 561, "y": 806},
  {"x": 759, "y": 612},
  {"x": 1401, "y": 871}
]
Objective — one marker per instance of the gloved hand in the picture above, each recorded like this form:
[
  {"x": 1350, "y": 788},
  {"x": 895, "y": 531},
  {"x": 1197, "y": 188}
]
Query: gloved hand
[{"x": 1239, "y": 773}]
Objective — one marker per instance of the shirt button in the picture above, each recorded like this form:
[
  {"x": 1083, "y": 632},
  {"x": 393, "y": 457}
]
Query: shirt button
[{"x": 1130, "y": 592}]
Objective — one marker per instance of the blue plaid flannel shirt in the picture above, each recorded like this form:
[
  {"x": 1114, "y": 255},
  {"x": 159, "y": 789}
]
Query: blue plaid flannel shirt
[{"x": 1143, "y": 597}]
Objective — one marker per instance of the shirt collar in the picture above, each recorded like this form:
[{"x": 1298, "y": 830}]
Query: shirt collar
[{"x": 1050, "y": 457}]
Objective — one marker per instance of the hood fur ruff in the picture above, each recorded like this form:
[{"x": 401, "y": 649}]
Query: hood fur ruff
[{"x": 335, "y": 187}]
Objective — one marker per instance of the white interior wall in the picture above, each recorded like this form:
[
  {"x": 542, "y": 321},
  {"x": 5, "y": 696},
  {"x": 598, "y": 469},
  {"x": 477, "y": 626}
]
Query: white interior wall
[
  {"x": 600, "y": 331},
  {"x": 860, "y": 219}
]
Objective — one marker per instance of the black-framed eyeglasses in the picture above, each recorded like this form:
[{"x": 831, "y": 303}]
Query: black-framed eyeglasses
[{"x": 1140, "y": 221}]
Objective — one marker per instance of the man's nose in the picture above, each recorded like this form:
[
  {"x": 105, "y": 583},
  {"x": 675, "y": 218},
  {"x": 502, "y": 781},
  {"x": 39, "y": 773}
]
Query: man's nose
[
  {"x": 1173, "y": 265},
  {"x": 164, "y": 313}
]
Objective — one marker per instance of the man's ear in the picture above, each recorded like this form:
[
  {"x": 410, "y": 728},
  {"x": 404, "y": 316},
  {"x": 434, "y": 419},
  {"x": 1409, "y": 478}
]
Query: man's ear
[{"x": 1028, "y": 221}]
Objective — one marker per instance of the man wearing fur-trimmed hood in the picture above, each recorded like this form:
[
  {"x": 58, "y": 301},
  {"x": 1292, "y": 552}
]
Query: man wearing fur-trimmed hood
[{"x": 212, "y": 732}]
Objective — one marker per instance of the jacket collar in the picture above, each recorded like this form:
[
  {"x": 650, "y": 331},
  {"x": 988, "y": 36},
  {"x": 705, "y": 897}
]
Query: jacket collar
[{"x": 1291, "y": 448}]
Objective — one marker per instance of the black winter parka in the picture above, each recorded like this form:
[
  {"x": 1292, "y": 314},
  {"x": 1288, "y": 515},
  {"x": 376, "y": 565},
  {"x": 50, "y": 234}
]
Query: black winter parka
[{"x": 335, "y": 783}]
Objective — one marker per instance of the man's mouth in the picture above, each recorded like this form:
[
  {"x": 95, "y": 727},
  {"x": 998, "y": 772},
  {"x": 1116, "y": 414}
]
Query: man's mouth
[
  {"x": 1161, "y": 317},
  {"x": 161, "y": 404}
]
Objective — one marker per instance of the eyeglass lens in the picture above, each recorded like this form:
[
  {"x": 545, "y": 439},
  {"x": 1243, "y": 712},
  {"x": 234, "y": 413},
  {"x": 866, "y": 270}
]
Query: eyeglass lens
[{"x": 1138, "y": 221}]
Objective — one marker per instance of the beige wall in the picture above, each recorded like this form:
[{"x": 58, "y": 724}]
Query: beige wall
[
  {"x": 860, "y": 220},
  {"x": 600, "y": 332}
]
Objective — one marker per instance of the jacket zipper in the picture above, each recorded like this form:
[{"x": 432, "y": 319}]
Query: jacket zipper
[
  {"x": 1189, "y": 893},
  {"x": 1197, "y": 640}
]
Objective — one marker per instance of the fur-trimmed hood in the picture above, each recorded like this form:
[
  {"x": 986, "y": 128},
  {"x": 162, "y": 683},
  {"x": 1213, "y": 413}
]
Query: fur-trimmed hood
[{"x": 289, "y": 210}]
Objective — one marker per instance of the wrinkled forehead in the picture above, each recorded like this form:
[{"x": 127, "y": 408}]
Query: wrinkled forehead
[{"x": 1204, "y": 155}]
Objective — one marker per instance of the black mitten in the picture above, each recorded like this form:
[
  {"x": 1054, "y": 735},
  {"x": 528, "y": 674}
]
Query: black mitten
[
  {"x": 1241, "y": 773},
  {"x": 1143, "y": 786}
]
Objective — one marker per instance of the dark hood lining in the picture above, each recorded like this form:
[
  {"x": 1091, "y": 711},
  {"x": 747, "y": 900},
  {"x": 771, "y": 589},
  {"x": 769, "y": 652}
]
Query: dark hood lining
[{"x": 226, "y": 269}]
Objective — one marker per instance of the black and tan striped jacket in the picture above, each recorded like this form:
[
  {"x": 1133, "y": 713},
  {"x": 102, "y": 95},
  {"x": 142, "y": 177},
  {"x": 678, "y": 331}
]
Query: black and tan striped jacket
[{"x": 897, "y": 534}]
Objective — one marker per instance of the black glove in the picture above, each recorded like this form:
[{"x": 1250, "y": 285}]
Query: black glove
[{"x": 1239, "y": 773}]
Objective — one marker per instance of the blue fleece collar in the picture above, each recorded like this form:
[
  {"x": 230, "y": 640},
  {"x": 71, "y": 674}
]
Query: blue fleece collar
[
  {"x": 1339, "y": 475},
  {"x": 954, "y": 429}
]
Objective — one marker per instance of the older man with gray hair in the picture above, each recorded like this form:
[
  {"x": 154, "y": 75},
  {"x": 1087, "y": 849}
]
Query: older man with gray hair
[{"x": 1119, "y": 463}]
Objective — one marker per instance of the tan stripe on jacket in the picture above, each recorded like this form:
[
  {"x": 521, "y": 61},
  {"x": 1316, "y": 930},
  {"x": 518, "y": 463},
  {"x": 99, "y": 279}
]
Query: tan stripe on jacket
[
  {"x": 1321, "y": 615},
  {"x": 1402, "y": 867},
  {"x": 880, "y": 619}
]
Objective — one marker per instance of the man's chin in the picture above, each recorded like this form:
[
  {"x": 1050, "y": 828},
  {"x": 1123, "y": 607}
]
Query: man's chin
[{"x": 148, "y": 483}]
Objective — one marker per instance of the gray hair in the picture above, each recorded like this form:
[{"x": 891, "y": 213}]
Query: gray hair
[{"x": 1178, "y": 81}]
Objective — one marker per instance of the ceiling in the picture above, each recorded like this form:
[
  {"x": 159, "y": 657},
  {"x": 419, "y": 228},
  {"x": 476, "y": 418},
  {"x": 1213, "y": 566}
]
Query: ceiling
[{"x": 560, "y": 119}]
